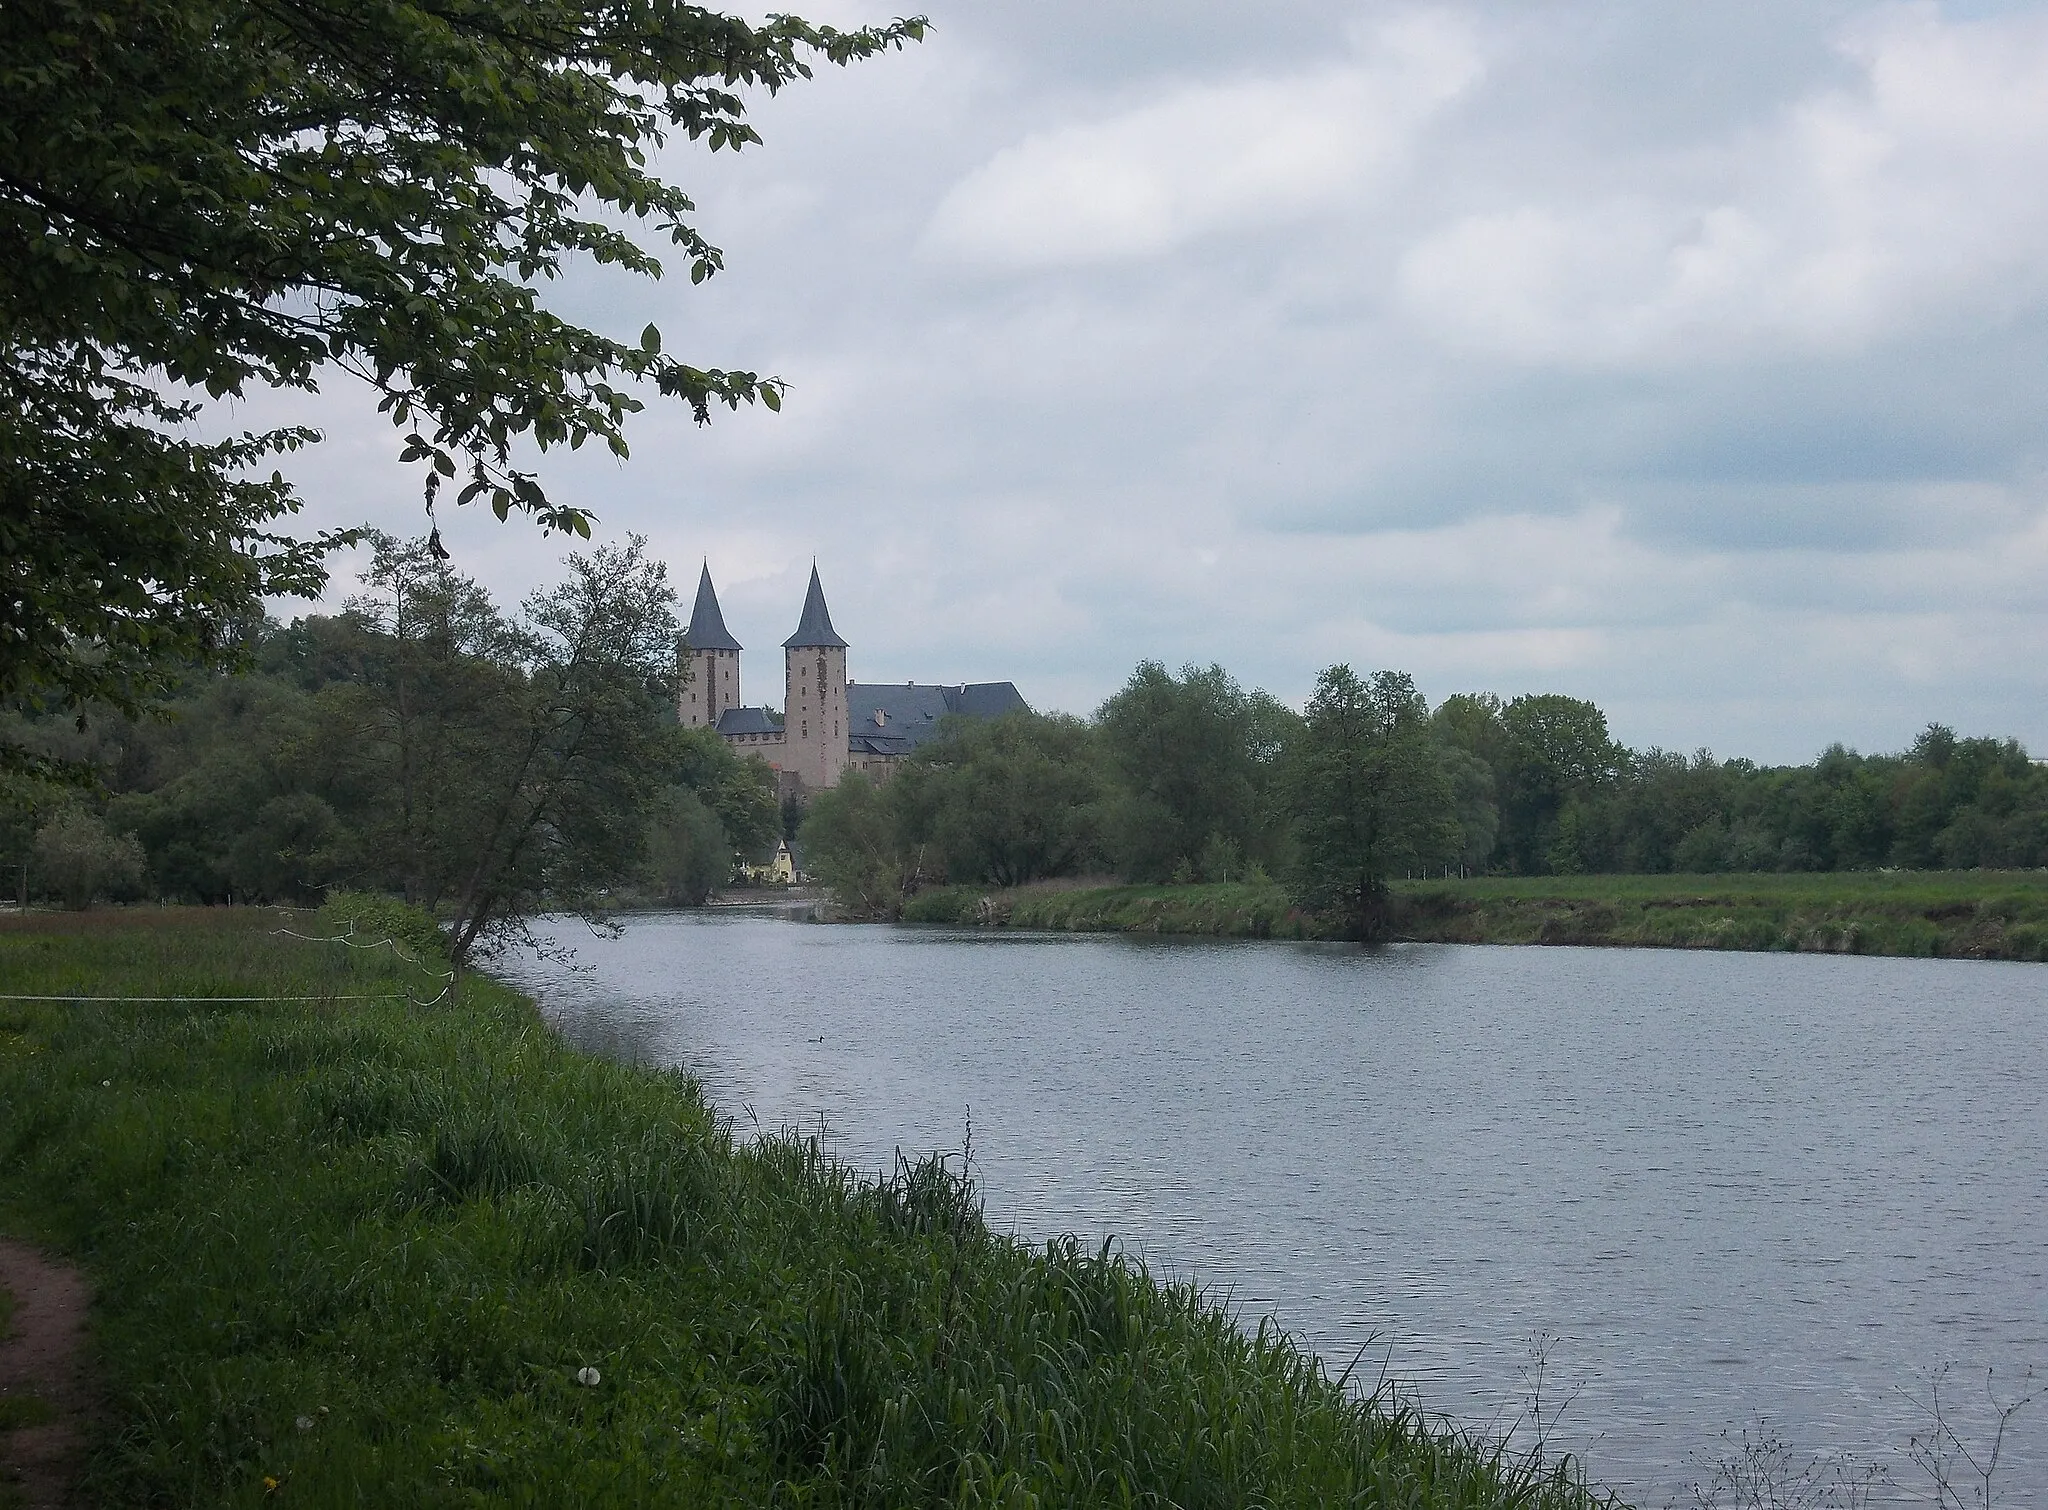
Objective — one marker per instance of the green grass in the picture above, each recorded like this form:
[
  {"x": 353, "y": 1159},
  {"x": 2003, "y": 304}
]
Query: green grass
[
  {"x": 357, "y": 1253},
  {"x": 1966, "y": 914},
  {"x": 1954, "y": 914},
  {"x": 1239, "y": 909}
]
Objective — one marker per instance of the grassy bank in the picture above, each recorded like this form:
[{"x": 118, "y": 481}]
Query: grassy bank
[
  {"x": 1238, "y": 910},
  {"x": 356, "y": 1251},
  {"x": 1955, "y": 914}
]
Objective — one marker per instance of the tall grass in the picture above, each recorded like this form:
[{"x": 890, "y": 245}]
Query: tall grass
[
  {"x": 1951, "y": 914},
  {"x": 358, "y": 1253},
  {"x": 1966, "y": 914},
  {"x": 1242, "y": 909}
]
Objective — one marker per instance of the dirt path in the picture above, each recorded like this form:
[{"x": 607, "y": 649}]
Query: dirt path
[{"x": 43, "y": 1357}]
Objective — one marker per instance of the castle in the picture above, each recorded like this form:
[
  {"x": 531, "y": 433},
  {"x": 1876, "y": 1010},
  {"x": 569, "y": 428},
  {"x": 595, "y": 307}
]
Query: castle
[{"x": 830, "y": 724}]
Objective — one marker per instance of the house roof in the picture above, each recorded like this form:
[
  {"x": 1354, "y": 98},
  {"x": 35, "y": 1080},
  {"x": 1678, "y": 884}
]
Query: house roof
[
  {"x": 748, "y": 721},
  {"x": 985, "y": 699},
  {"x": 888, "y": 718},
  {"x": 814, "y": 629},
  {"x": 707, "y": 629}
]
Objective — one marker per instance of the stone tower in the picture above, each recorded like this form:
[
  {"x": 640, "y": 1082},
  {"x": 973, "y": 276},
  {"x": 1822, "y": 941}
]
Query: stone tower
[
  {"x": 814, "y": 705},
  {"x": 711, "y": 662}
]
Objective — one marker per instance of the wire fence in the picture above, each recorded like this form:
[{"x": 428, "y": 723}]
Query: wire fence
[{"x": 446, "y": 977}]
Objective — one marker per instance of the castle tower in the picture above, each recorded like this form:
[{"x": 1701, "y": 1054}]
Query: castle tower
[
  {"x": 711, "y": 662},
  {"x": 814, "y": 706}
]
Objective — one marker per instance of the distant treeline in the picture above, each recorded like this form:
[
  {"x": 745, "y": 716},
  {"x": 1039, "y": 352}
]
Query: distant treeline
[
  {"x": 423, "y": 743},
  {"x": 1191, "y": 777},
  {"x": 426, "y": 743}
]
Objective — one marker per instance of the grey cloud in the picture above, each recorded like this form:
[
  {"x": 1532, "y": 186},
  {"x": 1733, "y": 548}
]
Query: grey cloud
[{"x": 1250, "y": 445}]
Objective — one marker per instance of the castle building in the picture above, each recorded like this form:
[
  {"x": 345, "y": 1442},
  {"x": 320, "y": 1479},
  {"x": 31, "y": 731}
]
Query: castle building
[{"x": 829, "y": 723}]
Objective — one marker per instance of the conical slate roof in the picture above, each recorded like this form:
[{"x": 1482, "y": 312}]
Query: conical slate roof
[
  {"x": 707, "y": 625},
  {"x": 815, "y": 628}
]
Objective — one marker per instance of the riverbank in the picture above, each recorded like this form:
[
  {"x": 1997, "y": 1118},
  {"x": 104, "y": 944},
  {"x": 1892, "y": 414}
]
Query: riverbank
[
  {"x": 1950, "y": 914},
  {"x": 353, "y": 1249}
]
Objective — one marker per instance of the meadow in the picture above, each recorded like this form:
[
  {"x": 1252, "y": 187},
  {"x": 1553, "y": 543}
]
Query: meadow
[
  {"x": 361, "y": 1242},
  {"x": 1975, "y": 914}
]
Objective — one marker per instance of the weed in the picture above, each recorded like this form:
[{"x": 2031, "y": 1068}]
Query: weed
[{"x": 365, "y": 1250}]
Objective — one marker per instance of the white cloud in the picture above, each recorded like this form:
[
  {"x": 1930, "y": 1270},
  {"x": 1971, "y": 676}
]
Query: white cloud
[
  {"x": 1682, "y": 357},
  {"x": 1858, "y": 211},
  {"x": 1209, "y": 157}
]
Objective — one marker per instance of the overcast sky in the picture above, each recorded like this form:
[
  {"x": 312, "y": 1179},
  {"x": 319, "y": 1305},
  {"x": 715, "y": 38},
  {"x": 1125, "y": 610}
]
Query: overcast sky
[{"x": 1688, "y": 358}]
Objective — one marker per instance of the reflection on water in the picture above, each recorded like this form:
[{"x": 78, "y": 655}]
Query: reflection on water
[{"x": 1728, "y": 1185}]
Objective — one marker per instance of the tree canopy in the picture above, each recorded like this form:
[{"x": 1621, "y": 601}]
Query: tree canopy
[
  {"x": 1371, "y": 795},
  {"x": 200, "y": 197}
]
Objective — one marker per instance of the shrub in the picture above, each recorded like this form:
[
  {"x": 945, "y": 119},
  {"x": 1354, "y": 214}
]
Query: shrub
[
  {"x": 365, "y": 918},
  {"x": 82, "y": 860}
]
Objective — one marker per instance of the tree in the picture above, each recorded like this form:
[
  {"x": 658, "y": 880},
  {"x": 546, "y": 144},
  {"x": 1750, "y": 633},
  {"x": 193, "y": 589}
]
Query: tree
[
  {"x": 507, "y": 765},
  {"x": 1471, "y": 721},
  {"x": 738, "y": 790},
  {"x": 82, "y": 860},
  {"x": 198, "y": 197},
  {"x": 1471, "y": 784},
  {"x": 1554, "y": 747},
  {"x": 688, "y": 853},
  {"x": 1191, "y": 757},
  {"x": 850, "y": 843},
  {"x": 1371, "y": 796},
  {"x": 1005, "y": 800}
]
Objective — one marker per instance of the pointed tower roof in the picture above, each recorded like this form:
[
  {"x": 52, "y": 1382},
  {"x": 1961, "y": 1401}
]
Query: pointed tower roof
[
  {"x": 707, "y": 625},
  {"x": 815, "y": 628}
]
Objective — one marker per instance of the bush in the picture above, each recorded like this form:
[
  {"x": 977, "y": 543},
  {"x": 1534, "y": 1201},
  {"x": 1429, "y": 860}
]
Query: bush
[
  {"x": 365, "y": 918},
  {"x": 688, "y": 853},
  {"x": 82, "y": 860}
]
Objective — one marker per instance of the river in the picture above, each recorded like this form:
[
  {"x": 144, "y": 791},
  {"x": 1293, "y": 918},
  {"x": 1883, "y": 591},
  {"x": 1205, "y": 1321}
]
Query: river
[{"x": 1708, "y": 1190}]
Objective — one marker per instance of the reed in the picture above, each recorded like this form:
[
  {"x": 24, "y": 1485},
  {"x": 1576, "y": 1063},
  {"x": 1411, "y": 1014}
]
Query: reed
[
  {"x": 363, "y": 1252},
  {"x": 1952, "y": 914}
]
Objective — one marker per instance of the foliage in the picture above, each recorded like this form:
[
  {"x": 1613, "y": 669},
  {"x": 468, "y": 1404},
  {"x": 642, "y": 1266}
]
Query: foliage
[
  {"x": 1956, "y": 914},
  {"x": 83, "y": 860},
  {"x": 689, "y": 854},
  {"x": 1005, "y": 800},
  {"x": 426, "y": 744},
  {"x": 849, "y": 843},
  {"x": 366, "y": 748},
  {"x": 1195, "y": 761},
  {"x": 1371, "y": 796},
  {"x": 738, "y": 790},
  {"x": 367, "y": 919},
  {"x": 549, "y": 800},
  {"x": 1230, "y": 909},
  {"x": 1472, "y": 787},
  {"x": 216, "y": 196},
  {"x": 365, "y": 1251}
]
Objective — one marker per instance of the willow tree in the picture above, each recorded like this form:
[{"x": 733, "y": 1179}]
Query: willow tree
[
  {"x": 201, "y": 198},
  {"x": 1371, "y": 795}
]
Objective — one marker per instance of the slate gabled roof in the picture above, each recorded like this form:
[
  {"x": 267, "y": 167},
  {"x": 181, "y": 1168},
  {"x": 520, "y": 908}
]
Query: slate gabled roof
[
  {"x": 985, "y": 699},
  {"x": 909, "y": 714},
  {"x": 707, "y": 625},
  {"x": 814, "y": 629},
  {"x": 747, "y": 721}
]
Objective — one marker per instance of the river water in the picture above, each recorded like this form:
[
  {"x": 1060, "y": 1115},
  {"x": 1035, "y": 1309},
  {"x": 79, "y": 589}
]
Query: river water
[{"x": 1709, "y": 1190}]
